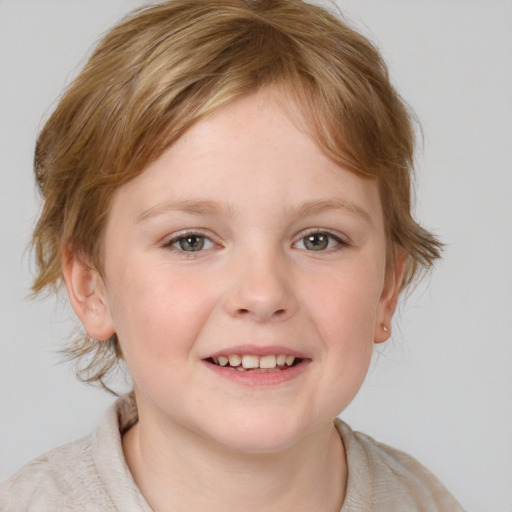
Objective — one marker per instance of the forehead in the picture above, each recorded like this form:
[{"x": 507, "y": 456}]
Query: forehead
[{"x": 252, "y": 151}]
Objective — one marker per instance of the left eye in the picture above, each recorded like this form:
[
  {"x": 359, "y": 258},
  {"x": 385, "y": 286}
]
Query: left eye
[
  {"x": 318, "y": 242},
  {"x": 191, "y": 243}
]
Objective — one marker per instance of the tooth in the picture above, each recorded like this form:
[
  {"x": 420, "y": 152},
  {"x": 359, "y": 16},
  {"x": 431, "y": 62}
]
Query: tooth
[
  {"x": 240, "y": 368},
  {"x": 268, "y": 361},
  {"x": 281, "y": 360},
  {"x": 250, "y": 361},
  {"x": 223, "y": 361},
  {"x": 215, "y": 360},
  {"x": 234, "y": 360},
  {"x": 290, "y": 360}
]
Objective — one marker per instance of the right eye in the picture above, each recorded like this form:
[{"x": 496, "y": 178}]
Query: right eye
[{"x": 190, "y": 242}]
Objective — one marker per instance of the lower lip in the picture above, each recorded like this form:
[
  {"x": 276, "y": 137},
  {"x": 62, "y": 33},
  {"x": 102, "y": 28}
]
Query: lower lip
[{"x": 254, "y": 379}]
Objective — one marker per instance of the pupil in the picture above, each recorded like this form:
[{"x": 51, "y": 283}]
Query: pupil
[
  {"x": 192, "y": 243},
  {"x": 316, "y": 242}
]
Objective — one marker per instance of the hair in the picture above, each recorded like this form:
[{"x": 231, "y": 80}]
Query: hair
[{"x": 167, "y": 66}]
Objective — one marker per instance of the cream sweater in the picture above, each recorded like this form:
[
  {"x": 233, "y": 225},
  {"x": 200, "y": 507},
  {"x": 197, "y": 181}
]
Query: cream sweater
[{"x": 91, "y": 475}]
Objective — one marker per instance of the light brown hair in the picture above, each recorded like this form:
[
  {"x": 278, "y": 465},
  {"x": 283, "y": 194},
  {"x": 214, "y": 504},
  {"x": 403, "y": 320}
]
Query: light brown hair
[{"x": 164, "y": 68}]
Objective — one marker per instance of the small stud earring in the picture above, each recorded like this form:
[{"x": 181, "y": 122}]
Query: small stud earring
[{"x": 385, "y": 328}]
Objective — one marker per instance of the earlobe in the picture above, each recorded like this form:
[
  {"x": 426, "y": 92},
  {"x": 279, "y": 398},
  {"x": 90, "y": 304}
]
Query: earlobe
[
  {"x": 87, "y": 296},
  {"x": 389, "y": 299}
]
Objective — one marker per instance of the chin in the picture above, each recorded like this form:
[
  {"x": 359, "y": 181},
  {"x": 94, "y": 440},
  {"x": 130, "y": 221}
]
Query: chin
[{"x": 259, "y": 434}]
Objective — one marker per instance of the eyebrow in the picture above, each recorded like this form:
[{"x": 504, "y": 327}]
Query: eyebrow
[
  {"x": 207, "y": 207},
  {"x": 315, "y": 207},
  {"x": 200, "y": 207}
]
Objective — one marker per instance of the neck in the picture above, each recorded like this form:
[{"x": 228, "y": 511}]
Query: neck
[{"x": 189, "y": 473}]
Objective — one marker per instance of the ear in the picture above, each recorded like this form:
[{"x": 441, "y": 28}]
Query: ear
[
  {"x": 87, "y": 295},
  {"x": 389, "y": 298}
]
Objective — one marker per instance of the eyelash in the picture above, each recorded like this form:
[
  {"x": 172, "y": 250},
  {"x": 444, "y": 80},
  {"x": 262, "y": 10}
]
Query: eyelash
[
  {"x": 340, "y": 241},
  {"x": 169, "y": 243}
]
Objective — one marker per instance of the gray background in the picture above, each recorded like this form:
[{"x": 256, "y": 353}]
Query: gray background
[{"x": 441, "y": 389}]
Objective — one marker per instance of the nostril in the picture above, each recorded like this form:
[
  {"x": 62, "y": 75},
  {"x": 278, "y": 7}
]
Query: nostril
[{"x": 261, "y": 313}]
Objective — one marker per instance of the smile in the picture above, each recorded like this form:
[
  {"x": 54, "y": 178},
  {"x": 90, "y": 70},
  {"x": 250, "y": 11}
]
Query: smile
[{"x": 255, "y": 363}]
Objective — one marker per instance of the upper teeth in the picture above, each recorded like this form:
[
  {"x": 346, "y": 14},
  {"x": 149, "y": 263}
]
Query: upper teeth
[{"x": 250, "y": 361}]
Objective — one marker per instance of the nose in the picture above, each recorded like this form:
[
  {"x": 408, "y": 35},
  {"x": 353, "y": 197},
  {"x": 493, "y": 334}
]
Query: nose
[{"x": 261, "y": 289}]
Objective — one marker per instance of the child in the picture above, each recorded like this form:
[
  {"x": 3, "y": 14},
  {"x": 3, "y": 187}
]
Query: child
[{"x": 226, "y": 195}]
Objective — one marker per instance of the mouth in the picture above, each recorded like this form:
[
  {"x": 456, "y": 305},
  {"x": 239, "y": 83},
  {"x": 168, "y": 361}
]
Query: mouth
[{"x": 269, "y": 363}]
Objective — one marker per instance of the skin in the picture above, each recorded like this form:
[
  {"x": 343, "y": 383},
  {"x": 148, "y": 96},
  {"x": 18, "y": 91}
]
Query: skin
[{"x": 254, "y": 185}]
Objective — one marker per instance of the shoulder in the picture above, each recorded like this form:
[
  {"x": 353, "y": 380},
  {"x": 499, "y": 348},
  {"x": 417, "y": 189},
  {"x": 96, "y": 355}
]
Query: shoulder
[
  {"x": 53, "y": 481},
  {"x": 385, "y": 479},
  {"x": 89, "y": 475}
]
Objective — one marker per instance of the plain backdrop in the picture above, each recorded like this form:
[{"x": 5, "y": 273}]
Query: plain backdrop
[{"x": 441, "y": 389}]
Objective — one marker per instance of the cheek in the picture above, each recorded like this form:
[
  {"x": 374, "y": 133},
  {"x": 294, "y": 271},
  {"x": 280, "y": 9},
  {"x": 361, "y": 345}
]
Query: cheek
[
  {"x": 157, "y": 312},
  {"x": 350, "y": 300},
  {"x": 344, "y": 310},
  {"x": 343, "y": 317}
]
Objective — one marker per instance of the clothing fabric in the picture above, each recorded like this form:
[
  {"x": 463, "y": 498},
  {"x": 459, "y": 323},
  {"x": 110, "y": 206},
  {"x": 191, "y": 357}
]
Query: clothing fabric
[{"x": 91, "y": 475}]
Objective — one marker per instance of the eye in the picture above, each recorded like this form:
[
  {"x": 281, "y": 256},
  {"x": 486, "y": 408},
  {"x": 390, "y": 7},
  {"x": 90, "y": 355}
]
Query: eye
[
  {"x": 319, "y": 241},
  {"x": 190, "y": 242}
]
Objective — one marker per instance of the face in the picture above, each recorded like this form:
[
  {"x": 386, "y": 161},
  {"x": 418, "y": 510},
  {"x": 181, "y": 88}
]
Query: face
[{"x": 244, "y": 275}]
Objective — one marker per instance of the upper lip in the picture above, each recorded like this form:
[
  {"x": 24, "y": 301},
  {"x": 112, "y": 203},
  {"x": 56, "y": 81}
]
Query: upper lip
[{"x": 257, "y": 350}]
